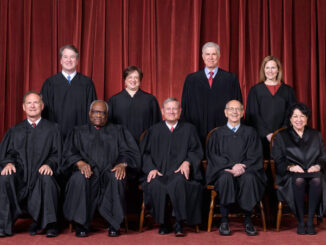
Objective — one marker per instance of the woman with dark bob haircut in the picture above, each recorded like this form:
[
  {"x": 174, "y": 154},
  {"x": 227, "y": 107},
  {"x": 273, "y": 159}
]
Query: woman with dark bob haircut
[{"x": 300, "y": 160}]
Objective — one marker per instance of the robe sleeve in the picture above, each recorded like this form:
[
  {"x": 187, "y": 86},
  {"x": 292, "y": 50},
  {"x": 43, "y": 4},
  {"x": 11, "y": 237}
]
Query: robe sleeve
[
  {"x": 7, "y": 152},
  {"x": 47, "y": 99},
  {"x": 157, "y": 116},
  {"x": 71, "y": 152},
  {"x": 128, "y": 150},
  {"x": 279, "y": 155},
  {"x": 216, "y": 161},
  {"x": 237, "y": 89},
  {"x": 322, "y": 158},
  {"x": 111, "y": 112},
  {"x": 147, "y": 160},
  {"x": 55, "y": 155},
  {"x": 253, "y": 117},
  {"x": 194, "y": 154},
  {"x": 291, "y": 100},
  {"x": 254, "y": 153},
  {"x": 184, "y": 100}
]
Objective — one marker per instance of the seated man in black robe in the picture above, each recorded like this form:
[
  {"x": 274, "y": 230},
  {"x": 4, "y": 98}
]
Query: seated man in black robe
[
  {"x": 171, "y": 161},
  {"x": 235, "y": 167},
  {"x": 30, "y": 154},
  {"x": 97, "y": 155}
]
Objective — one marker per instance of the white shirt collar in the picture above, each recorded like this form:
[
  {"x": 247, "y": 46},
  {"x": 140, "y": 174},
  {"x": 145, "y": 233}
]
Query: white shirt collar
[
  {"x": 36, "y": 122},
  {"x": 170, "y": 126},
  {"x": 231, "y": 127},
  {"x": 72, "y": 75}
]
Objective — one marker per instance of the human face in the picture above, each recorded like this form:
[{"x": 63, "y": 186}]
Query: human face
[
  {"x": 298, "y": 120},
  {"x": 33, "y": 106},
  {"x": 210, "y": 57},
  {"x": 132, "y": 81},
  {"x": 69, "y": 61},
  {"x": 271, "y": 70},
  {"x": 98, "y": 114},
  {"x": 233, "y": 112},
  {"x": 171, "y": 112}
]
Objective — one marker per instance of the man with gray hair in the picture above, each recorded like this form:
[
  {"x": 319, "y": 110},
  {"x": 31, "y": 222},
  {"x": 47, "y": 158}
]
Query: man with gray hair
[
  {"x": 172, "y": 153},
  {"x": 68, "y": 94},
  {"x": 97, "y": 156},
  {"x": 207, "y": 91}
]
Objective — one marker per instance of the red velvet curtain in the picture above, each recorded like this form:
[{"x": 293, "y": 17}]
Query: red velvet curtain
[{"x": 164, "y": 38}]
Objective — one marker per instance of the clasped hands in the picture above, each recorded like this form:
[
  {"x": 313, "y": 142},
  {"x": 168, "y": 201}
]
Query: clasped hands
[
  {"x": 298, "y": 169},
  {"x": 183, "y": 169},
  {"x": 10, "y": 169},
  {"x": 86, "y": 170},
  {"x": 237, "y": 169}
]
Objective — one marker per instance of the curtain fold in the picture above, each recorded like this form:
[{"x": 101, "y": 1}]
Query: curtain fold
[{"x": 164, "y": 38}]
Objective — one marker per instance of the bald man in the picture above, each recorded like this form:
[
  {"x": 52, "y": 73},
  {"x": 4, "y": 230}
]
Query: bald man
[
  {"x": 235, "y": 166},
  {"x": 97, "y": 156}
]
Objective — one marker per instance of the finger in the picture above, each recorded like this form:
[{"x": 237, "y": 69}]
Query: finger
[
  {"x": 14, "y": 169},
  {"x": 159, "y": 174},
  {"x": 178, "y": 170}
]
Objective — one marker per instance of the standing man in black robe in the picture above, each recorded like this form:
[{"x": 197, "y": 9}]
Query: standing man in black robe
[
  {"x": 30, "y": 154},
  {"x": 235, "y": 167},
  {"x": 132, "y": 107},
  {"x": 97, "y": 155},
  {"x": 171, "y": 162},
  {"x": 206, "y": 92},
  {"x": 68, "y": 94}
]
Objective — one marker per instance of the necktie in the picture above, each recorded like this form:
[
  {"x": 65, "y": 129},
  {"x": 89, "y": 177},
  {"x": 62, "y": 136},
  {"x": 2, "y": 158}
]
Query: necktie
[
  {"x": 97, "y": 127},
  {"x": 233, "y": 129},
  {"x": 68, "y": 78},
  {"x": 172, "y": 128},
  {"x": 34, "y": 125},
  {"x": 210, "y": 79}
]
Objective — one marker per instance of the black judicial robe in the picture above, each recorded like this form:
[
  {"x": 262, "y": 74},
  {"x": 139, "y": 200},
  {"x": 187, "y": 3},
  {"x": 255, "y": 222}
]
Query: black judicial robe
[
  {"x": 204, "y": 106},
  {"x": 27, "y": 190},
  {"x": 136, "y": 113},
  {"x": 165, "y": 151},
  {"x": 289, "y": 148},
  {"x": 102, "y": 149},
  {"x": 266, "y": 112},
  {"x": 225, "y": 148},
  {"x": 67, "y": 104}
]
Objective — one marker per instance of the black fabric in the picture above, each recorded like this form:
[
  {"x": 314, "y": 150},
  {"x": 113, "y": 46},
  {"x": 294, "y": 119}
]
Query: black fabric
[
  {"x": 267, "y": 112},
  {"x": 166, "y": 151},
  {"x": 136, "y": 113},
  {"x": 289, "y": 148},
  {"x": 67, "y": 104},
  {"x": 102, "y": 149},
  {"x": 203, "y": 105},
  {"x": 225, "y": 148},
  {"x": 28, "y": 149}
]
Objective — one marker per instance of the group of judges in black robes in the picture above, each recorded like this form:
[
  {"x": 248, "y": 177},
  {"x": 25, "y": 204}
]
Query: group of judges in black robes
[{"x": 101, "y": 146}]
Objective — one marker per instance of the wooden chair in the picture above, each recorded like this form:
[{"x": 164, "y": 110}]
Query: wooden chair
[
  {"x": 143, "y": 208},
  {"x": 211, "y": 214}
]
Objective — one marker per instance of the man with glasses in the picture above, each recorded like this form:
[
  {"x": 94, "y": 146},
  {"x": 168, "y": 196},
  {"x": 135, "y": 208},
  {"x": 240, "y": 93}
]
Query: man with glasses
[
  {"x": 235, "y": 167},
  {"x": 97, "y": 156}
]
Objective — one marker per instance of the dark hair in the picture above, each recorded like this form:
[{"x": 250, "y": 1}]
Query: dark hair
[
  {"x": 305, "y": 110},
  {"x": 32, "y": 92},
  {"x": 71, "y": 47},
  {"x": 131, "y": 69}
]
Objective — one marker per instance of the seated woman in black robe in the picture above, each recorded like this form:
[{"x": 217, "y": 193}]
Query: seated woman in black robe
[
  {"x": 300, "y": 157},
  {"x": 268, "y": 101}
]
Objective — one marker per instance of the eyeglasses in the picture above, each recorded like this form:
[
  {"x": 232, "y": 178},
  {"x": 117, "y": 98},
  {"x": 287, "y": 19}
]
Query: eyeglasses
[
  {"x": 102, "y": 113},
  {"x": 234, "y": 109}
]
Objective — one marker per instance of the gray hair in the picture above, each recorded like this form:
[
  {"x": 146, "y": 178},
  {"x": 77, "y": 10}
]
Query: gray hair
[
  {"x": 241, "y": 105},
  {"x": 171, "y": 99},
  {"x": 211, "y": 45},
  {"x": 102, "y": 101},
  {"x": 32, "y": 92}
]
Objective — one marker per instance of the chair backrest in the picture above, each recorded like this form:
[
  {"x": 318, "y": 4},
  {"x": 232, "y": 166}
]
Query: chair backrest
[
  {"x": 204, "y": 161},
  {"x": 272, "y": 162}
]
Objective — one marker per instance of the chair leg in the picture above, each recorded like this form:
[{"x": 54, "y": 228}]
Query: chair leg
[
  {"x": 262, "y": 214},
  {"x": 211, "y": 211},
  {"x": 197, "y": 228},
  {"x": 126, "y": 224},
  {"x": 142, "y": 214},
  {"x": 70, "y": 227},
  {"x": 279, "y": 216}
]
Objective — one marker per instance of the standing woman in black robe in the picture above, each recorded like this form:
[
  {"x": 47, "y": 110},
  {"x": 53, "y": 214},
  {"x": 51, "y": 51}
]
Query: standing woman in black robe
[
  {"x": 132, "y": 107},
  {"x": 300, "y": 159},
  {"x": 268, "y": 101}
]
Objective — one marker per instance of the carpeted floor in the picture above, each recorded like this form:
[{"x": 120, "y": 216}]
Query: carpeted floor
[{"x": 287, "y": 235}]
